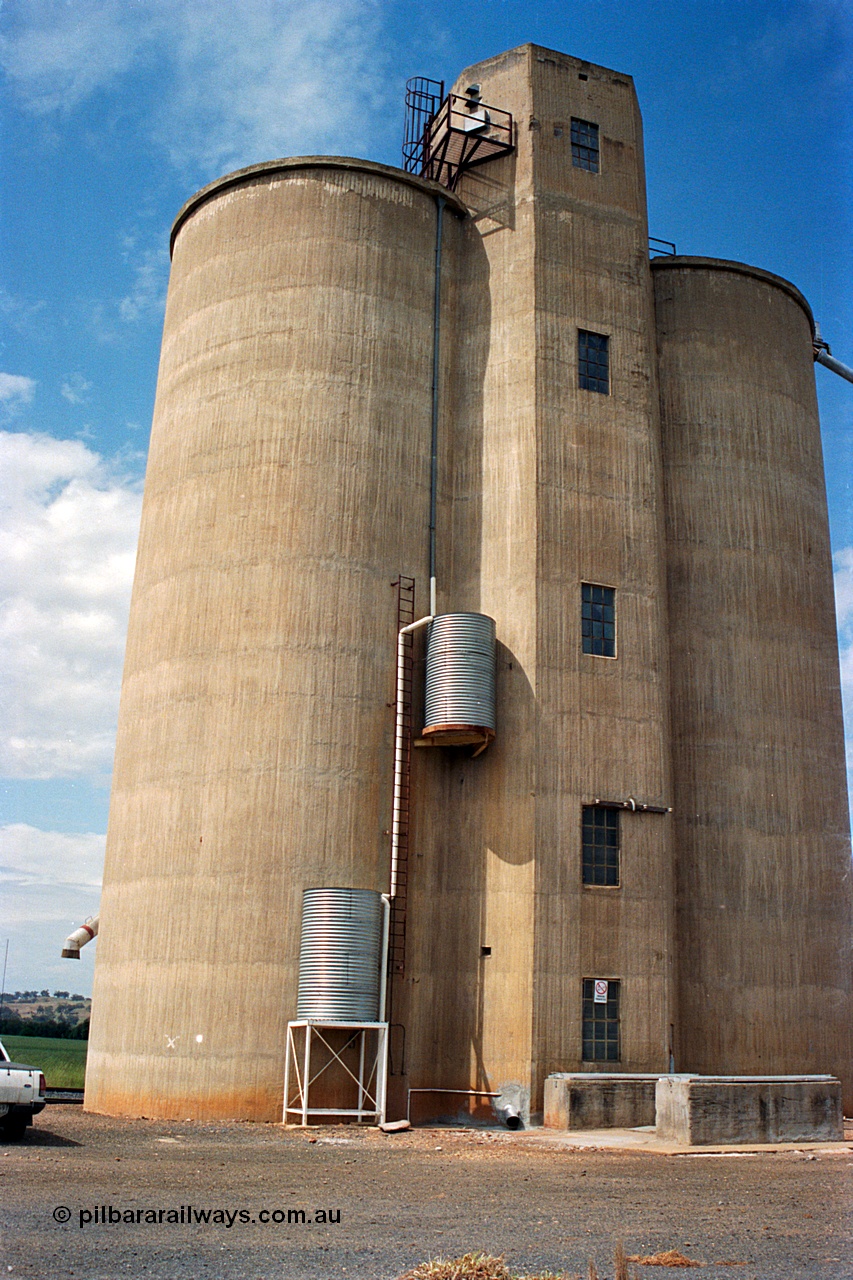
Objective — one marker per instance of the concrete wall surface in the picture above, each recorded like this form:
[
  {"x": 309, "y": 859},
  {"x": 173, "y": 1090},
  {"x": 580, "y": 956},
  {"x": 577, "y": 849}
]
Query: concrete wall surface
[
  {"x": 599, "y": 1101},
  {"x": 700, "y": 1111}
]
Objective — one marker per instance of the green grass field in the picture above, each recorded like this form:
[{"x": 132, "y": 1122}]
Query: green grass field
[{"x": 62, "y": 1061}]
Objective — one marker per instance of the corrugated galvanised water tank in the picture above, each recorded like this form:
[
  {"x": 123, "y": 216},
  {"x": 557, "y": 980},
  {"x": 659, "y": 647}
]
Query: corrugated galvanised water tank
[
  {"x": 460, "y": 675},
  {"x": 340, "y": 956}
]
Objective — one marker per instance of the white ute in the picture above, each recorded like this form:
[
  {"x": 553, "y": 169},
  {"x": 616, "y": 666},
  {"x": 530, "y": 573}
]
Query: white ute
[{"x": 22, "y": 1095}]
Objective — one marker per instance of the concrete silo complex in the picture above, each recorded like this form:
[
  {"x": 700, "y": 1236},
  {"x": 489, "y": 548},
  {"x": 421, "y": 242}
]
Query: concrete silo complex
[{"x": 467, "y": 391}]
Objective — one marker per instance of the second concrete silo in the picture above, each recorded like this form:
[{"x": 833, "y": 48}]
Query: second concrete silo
[{"x": 764, "y": 918}]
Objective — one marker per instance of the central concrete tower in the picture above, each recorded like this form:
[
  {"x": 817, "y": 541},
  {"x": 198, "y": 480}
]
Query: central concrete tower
[{"x": 550, "y": 485}]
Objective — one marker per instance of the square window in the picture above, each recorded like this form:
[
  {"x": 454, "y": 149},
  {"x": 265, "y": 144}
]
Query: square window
[
  {"x": 593, "y": 361},
  {"x": 585, "y": 145},
  {"x": 600, "y": 845},
  {"x": 600, "y": 1033},
  {"x": 598, "y": 620}
]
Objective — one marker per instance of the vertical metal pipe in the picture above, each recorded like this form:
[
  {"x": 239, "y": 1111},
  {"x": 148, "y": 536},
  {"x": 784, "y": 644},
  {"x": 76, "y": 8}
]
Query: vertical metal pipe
[
  {"x": 398, "y": 755},
  {"x": 386, "y": 939},
  {"x": 436, "y": 353}
]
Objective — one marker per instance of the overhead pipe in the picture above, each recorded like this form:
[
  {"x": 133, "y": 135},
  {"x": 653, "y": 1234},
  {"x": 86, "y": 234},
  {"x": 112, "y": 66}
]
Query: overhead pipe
[
  {"x": 822, "y": 356},
  {"x": 79, "y": 938}
]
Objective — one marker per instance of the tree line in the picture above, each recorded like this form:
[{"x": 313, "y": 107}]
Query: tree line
[{"x": 57, "y": 1028}]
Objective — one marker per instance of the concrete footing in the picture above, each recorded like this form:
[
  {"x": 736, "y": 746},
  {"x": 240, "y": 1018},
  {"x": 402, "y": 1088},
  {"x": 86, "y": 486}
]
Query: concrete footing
[
  {"x": 706, "y": 1110},
  {"x": 605, "y": 1100},
  {"x": 693, "y": 1110}
]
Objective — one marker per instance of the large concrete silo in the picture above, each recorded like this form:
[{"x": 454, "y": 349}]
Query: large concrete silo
[
  {"x": 762, "y": 836},
  {"x": 287, "y": 487}
]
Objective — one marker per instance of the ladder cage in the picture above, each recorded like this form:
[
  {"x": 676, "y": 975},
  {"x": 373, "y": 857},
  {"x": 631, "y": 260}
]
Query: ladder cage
[{"x": 423, "y": 99}]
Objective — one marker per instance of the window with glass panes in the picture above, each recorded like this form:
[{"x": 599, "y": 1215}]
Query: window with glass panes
[
  {"x": 593, "y": 362},
  {"x": 585, "y": 145},
  {"x": 600, "y": 1022},
  {"x": 600, "y": 845},
  {"x": 598, "y": 619}
]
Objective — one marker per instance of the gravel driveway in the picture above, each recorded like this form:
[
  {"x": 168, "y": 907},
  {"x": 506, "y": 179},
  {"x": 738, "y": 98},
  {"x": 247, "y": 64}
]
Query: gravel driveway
[{"x": 391, "y": 1201}]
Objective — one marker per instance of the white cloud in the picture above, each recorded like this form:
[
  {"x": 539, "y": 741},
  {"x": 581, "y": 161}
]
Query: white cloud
[
  {"x": 22, "y": 316},
  {"x": 50, "y": 883},
  {"x": 15, "y": 391},
  {"x": 57, "y": 54},
  {"x": 844, "y": 591},
  {"x": 781, "y": 40},
  {"x": 68, "y": 528},
  {"x": 75, "y": 389},
  {"x": 151, "y": 278},
  {"x": 31, "y": 857},
  {"x": 236, "y": 83}
]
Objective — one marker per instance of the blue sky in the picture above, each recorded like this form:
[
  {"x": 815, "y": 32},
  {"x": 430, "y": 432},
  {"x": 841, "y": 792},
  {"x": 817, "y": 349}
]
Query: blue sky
[{"x": 114, "y": 111}]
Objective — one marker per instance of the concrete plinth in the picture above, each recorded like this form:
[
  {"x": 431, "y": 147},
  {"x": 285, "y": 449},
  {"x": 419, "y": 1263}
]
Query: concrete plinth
[
  {"x": 605, "y": 1100},
  {"x": 703, "y": 1110}
]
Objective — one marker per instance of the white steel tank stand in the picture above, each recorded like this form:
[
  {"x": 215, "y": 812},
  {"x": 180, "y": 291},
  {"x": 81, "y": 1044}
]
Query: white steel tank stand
[{"x": 371, "y": 1080}]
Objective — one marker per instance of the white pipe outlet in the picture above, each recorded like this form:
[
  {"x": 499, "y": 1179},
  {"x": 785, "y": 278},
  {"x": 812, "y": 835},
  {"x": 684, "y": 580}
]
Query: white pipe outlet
[
  {"x": 79, "y": 938},
  {"x": 396, "y": 808}
]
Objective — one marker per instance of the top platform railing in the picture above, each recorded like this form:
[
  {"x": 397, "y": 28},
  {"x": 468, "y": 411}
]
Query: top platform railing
[{"x": 447, "y": 135}]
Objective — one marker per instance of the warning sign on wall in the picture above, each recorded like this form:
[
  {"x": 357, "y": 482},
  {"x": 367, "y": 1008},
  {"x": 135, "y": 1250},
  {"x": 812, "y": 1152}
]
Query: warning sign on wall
[{"x": 600, "y": 996}]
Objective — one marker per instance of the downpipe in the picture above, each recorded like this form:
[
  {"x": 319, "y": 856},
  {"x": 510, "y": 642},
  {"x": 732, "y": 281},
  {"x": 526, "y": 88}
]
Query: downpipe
[{"x": 399, "y": 730}]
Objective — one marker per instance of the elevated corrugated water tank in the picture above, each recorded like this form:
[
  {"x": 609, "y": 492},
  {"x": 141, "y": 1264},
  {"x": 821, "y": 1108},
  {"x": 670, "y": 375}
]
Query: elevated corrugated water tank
[
  {"x": 340, "y": 955},
  {"x": 460, "y": 679}
]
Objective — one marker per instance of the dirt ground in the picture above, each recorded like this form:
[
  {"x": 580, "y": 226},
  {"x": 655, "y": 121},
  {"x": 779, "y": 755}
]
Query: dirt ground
[{"x": 401, "y": 1199}]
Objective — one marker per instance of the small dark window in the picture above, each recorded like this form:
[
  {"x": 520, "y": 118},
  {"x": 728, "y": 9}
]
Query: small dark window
[
  {"x": 600, "y": 1020},
  {"x": 593, "y": 361},
  {"x": 600, "y": 845},
  {"x": 598, "y": 620},
  {"x": 585, "y": 145}
]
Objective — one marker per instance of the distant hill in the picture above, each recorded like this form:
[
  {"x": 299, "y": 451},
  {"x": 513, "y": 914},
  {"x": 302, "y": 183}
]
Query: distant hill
[{"x": 61, "y": 1011}]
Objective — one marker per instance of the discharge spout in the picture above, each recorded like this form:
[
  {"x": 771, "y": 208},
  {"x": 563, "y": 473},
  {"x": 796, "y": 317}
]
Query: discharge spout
[
  {"x": 822, "y": 356},
  {"x": 79, "y": 938}
]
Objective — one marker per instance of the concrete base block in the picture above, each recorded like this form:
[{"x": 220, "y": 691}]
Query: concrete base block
[
  {"x": 599, "y": 1100},
  {"x": 703, "y": 1110}
]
